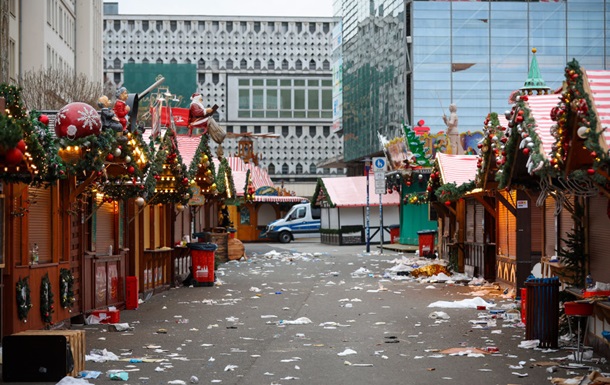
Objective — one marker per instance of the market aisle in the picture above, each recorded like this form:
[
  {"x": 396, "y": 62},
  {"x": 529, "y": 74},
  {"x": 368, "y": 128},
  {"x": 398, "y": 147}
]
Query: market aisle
[{"x": 316, "y": 314}]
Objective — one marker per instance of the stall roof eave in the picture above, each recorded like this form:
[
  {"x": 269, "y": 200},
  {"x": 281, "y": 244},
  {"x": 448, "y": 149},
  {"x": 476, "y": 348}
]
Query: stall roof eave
[{"x": 351, "y": 192}]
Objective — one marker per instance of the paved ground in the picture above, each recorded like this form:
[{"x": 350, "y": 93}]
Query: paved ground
[{"x": 247, "y": 330}]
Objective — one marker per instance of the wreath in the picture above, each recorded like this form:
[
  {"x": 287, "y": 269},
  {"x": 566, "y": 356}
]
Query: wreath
[
  {"x": 66, "y": 288},
  {"x": 46, "y": 300},
  {"x": 24, "y": 302}
]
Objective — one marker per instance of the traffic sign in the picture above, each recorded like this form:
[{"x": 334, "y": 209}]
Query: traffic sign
[
  {"x": 380, "y": 164},
  {"x": 380, "y": 186}
]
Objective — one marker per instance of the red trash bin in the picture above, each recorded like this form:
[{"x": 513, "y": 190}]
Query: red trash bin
[
  {"x": 131, "y": 293},
  {"x": 394, "y": 233},
  {"x": 202, "y": 257},
  {"x": 426, "y": 242}
]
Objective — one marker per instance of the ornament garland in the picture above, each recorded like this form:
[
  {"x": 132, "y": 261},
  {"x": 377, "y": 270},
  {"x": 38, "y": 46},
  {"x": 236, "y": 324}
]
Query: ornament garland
[
  {"x": 24, "y": 302},
  {"x": 249, "y": 188},
  {"x": 66, "y": 288},
  {"x": 46, "y": 300}
]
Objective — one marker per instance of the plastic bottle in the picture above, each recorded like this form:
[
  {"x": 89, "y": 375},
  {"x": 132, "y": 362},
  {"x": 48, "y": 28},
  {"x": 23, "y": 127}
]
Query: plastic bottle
[{"x": 590, "y": 284}]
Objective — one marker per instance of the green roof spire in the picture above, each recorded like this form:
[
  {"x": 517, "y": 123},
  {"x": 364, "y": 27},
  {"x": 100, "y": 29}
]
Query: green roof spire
[{"x": 534, "y": 80}]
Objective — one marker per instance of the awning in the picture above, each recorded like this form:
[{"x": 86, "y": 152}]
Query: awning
[
  {"x": 351, "y": 192},
  {"x": 599, "y": 82},
  {"x": 458, "y": 169}
]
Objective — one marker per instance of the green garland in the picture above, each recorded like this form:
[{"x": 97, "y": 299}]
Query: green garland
[
  {"x": 416, "y": 198},
  {"x": 168, "y": 155},
  {"x": 576, "y": 107},
  {"x": 41, "y": 145},
  {"x": 449, "y": 192},
  {"x": 321, "y": 190},
  {"x": 46, "y": 300},
  {"x": 229, "y": 176},
  {"x": 248, "y": 188},
  {"x": 521, "y": 128},
  {"x": 24, "y": 302},
  {"x": 66, "y": 288},
  {"x": 486, "y": 164}
]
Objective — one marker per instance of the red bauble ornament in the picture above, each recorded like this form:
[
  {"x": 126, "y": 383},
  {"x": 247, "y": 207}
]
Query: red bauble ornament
[
  {"x": 421, "y": 123},
  {"x": 109, "y": 157},
  {"x": 185, "y": 181},
  {"x": 131, "y": 169},
  {"x": 44, "y": 119},
  {"x": 593, "y": 154},
  {"x": 448, "y": 203},
  {"x": 526, "y": 151},
  {"x": 590, "y": 171},
  {"x": 13, "y": 156},
  {"x": 21, "y": 146},
  {"x": 77, "y": 120}
]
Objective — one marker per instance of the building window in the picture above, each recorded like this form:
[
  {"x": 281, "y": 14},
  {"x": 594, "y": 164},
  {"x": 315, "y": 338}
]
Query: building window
[
  {"x": 285, "y": 168},
  {"x": 271, "y": 129},
  {"x": 298, "y": 65},
  {"x": 298, "y": 131},
  {"x": 230, "y": 129},
  {"x": 229, "y": 27},
  {"x": 271, "y": 64},
  {"x": 285, "y": 131},
  {"x": 257, "y": 129},
  {"x": 285, "y": 64},
  {"x": 271, "y": 168},
  {"x": 299, "y": 168},
  {"x": 326, "y": 131},
  {"x": 257, "y": 64},
  {"x": 312, "y": 27},
  {"x": 215, "y": 78},
  {"x": 229, "y": 64},
  {"x": 312, "y": 64},
  {"x": 144, "y": 25},
  {"x": 243, "y": 129},
  {"x": 257, "y": 26},
  {"x": 312, "y": 168},
  {"x": 243, "y": 64},
  {"x": 312, "y": 131}
]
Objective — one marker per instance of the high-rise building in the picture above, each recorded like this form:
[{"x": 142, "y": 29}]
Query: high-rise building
[
  {"x": 268, "y": 75},
  {"x": 55, "y": 34},
  {"x": 408, "y": 60}
]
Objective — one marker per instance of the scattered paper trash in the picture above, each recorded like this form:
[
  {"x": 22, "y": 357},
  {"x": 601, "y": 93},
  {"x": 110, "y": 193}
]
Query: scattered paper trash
[
  {"x": 117, "y": 375},
  {"x": 97, "y": 355},
  {"x": 298, "y": 321},
  {"x": 230, "y": 368},
  {"x": 73, "y": 381},
  {"x": 89, "y": 374},
  {"x": 347, "y": 352},
  {"x": 439, "y": 315},
  {"x": 529, "y": 344},
  {"x": 176, "y": 382},
  {"x": 119, "y": 327},
  {"x": 469, "y": 303}
]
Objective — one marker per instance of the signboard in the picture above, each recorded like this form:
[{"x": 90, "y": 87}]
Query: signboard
[
  {"x": 380, "y": 184},
  {"x": 380, "y": 164},
  {"x": 522, "y": 204}
]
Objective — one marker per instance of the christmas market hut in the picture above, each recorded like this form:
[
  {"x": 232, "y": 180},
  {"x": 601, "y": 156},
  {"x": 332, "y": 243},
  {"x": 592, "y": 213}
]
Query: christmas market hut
[
  {"x": 581, "y": 165},
  {"x": 410, "y": 164},
  {"x": 258, "y": 201},
  {"x": 465, "y": 215},
  {"x": 343, "y": 204},
  {"x": 521, "y": 150}
]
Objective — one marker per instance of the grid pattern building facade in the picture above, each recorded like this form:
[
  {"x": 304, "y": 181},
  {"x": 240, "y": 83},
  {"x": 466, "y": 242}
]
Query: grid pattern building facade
[{"x": 268, "y": 75}]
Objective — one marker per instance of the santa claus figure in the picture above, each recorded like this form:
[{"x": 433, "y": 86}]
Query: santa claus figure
[
  {"x": 121, "y": 109},
  {"x": 198, "y": 114}
]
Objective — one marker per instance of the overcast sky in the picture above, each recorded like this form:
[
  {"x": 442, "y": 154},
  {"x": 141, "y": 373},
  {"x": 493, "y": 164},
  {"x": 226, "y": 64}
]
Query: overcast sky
[{"x": 227, "y": 7}]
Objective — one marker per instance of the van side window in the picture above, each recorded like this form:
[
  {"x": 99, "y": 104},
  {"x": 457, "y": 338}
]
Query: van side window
[
  {"x": 315, "y": 213},
  {"x": 301, "y": 213}
]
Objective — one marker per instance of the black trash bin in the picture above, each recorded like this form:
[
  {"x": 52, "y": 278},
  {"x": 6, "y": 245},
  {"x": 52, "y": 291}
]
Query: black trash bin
[
  {"x": 542, "y": 309},
  {"x": 202, "y": 263}
]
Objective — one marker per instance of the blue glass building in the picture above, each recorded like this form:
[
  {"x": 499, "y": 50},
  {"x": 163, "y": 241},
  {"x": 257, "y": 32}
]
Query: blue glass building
[{"x": 408, "y": 60}]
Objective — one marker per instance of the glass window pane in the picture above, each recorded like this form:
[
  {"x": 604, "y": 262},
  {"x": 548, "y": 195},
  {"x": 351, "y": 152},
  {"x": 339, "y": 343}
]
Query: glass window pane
[
  {"x": 286, "y": 82},
  {"x": 299, "y": 114},
  {"x": 312, "y": 99},
  {"x": 244, "y": 99},
  {"x": 257, "y": 99},
  {"x": 272, "y": 82},
  {"x": 299, "y": 82},
  {"x": 299, "y": 99},
  {"x": 243, "y": 114},
  {"x": 257, "y": 82},
  {"x": 272, "y": 99},
  {"x": 286, "y": 100},
  {"x": 313, "y": 82},
  {"x": 258, "y": 114},
  {"x": 285, "y": 114},
  {"x": 271, "y": 114},
  {"x": 327, "y": 83},
  {"x": 327, "y": 100},
  {"x": 244, "y": 82}
]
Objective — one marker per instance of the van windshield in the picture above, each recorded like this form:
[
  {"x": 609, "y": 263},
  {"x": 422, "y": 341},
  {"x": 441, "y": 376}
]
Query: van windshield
[{"x": 296, "y": 213}]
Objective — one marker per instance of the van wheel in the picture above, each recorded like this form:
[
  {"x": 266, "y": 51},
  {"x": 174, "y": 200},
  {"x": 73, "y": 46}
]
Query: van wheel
[{"x": 285, "y": 237}]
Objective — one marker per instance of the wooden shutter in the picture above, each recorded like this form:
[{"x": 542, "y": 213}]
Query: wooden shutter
[
  {"x": 550, "y": 228},
  {"x": 40, "y": 223},
  {"x": 566, "y": 222},
  {"x": 104, "y": 231},
  {"x": 479, "y": 216},
  {"x": 470, "y": 215},
  {"x": 537, "y": 229},
  {"x": 502, "y": 236},
  {"x": 599, "y": 239}
]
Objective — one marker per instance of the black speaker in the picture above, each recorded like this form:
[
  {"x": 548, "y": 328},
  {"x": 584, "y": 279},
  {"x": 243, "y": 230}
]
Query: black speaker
[{"x": 33, "y": 358}]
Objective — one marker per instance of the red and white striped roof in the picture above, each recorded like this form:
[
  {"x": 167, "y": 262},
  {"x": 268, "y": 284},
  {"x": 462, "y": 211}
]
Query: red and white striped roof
[
  {"x": 540, "y": 108},
  {"x": 599, "y": 82},
  {"x": 187, "y": 145},
  {"x": 458, "y": 169},
  {"x": 351, "y": 192}
]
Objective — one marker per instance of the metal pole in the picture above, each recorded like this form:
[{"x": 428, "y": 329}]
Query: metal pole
[
  {"x": 367, "y": 167},
  {"x": 381, "y": 221}
]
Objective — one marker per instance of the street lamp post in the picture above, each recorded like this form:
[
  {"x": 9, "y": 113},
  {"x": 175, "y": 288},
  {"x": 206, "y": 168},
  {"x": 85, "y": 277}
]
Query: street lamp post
[{"x": 367, "y": 169}]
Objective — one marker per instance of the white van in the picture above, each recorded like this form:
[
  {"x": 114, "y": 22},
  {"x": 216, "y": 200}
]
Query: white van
[{"x": 302, "y": 221}]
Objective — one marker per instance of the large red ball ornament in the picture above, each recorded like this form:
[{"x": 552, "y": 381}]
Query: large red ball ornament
[
  {"x": 131, "y": 169},
  {"x": 590, "y": 171},
  {"x": 44, "y": 119},
  {"x": 13, "y": 156},
  {"x": 21, "y": 145},
  {"x": 77, "y": 120}
]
